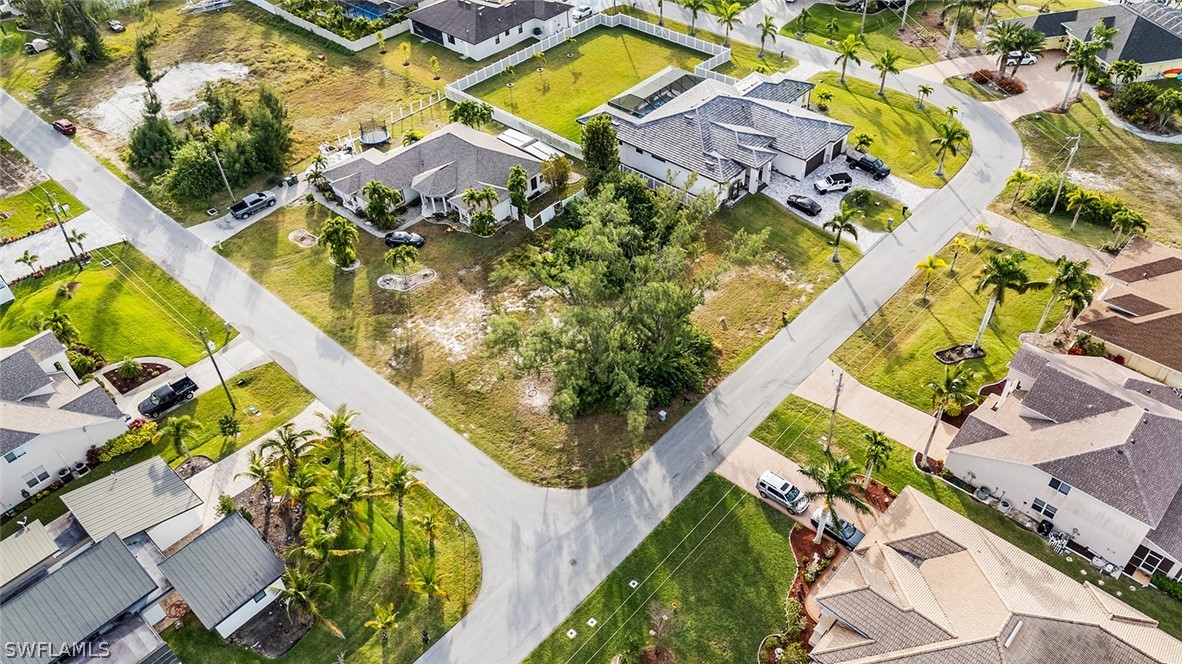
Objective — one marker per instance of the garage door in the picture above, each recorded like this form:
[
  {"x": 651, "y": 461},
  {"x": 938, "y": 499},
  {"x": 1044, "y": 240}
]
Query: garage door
[{"x": 813, "y": 162}]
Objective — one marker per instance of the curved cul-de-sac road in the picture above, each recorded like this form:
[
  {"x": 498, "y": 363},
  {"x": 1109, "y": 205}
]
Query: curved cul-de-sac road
[{"x": 543, "y": 550}]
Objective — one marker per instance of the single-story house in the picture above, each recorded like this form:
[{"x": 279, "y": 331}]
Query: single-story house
[
  {"x": 435, "y": 171},
  {"x": 478, "y": 30},
  {"x": 227, "y": 574},
  {"x": 79, "y": 599},
  {"x": 731, "y": 137},
  {"x": 1138, "y": 314},
  {"x": 148, "y": 497},
  {"x": 1147, "y": 32},
  {"x": 1087, "y": 448},
  {"x": 927, "y": 585},
  {"x": 24, "y": 555},
  {"x": 48, "y": 420}
]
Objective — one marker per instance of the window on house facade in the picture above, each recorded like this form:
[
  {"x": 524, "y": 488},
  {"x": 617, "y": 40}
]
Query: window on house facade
[
  {"x": 1060, "y": 486},
  {"x": 1044, "y": 509},
  {"x": 14, "y": 454},
  {"x": 451, "y": 39},
  {"x": 520, "y": 29},
  {"x": 1151, "y": 562},
  {"x": 259, "y": 597},
  {"x": 533, "y": 182},
  {"x": 507, "y": 32},
  {"x": 498, "y": 40},
  {"x": 37, "y": 476}
]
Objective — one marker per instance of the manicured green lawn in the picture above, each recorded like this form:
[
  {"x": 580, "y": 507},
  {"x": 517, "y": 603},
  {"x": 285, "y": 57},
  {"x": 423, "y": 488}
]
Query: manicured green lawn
[
  {"x": 902, "y": 133},
  {"x": 359, "y": 581},
  {"x": 277, "y": 395},
  {"x": 752, "y": 299},
  {"x": 879, "y": 34},
  {"x": 892, "y": 352},
  {"x": 1004, "y": 11},
  {"x": 722, "y": 555},
  {"x": 880, "y": 212},
  {"x": 973, "y": 90},
  {"x": 132, "y": 308},
  {"x": 1059, "y": 223},
  {"x": 606, "y": 62},
  {"x": 795, "y": 429},
  {"x": 1144, "y": 174},
  {"x": 22, "y": 209}
]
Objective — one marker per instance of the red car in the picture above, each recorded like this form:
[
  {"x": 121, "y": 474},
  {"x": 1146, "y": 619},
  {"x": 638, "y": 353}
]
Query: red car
[{"x": 65, "y": 127}]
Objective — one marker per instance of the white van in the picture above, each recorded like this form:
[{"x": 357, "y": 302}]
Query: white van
[{"x": 780, "y": 491}]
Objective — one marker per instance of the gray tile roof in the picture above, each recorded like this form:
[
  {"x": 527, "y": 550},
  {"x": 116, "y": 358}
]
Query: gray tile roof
[
  {"x": 131, "y": 500},
  {"x": 94, "y": 401},
  {"x": 1138, "y": 38},
  {"x": 1168, "y": 533},
  {"x": 475, "y": 22},
  {"x": 1170, "y": 396},
  {"x": 785, "y": 91},
  {"x": 1067, "y": 398},
  {"x": 11, "y": 439},
  {"x": 1028, "y": 360},
  {"x": 76, "y": 600},
  {"x": 22, "y": 376},
  {"x": 222, "y": 569},
  {"x": 465, "y": 157},
  {"x": 1135, "y": 304},
  {"x": 974, "y": 431},
  {"x": 43, "y": 346}
]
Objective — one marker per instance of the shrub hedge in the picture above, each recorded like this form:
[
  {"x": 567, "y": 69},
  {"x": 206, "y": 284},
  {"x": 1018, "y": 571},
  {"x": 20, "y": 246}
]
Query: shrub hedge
[{"x": 138, "y": 434}]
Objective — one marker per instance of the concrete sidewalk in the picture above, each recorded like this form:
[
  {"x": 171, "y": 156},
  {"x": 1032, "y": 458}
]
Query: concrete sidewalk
[
  {"x": 899, "y": 421},
  {"x": 1020, "y": 236}
]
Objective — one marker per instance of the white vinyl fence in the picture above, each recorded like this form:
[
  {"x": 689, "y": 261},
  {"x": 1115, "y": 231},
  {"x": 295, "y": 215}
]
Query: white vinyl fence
[
  {"x": 545, "y": 216},
  {"x": 456, "y": 90},
  {"x": 353, "y": 45}
]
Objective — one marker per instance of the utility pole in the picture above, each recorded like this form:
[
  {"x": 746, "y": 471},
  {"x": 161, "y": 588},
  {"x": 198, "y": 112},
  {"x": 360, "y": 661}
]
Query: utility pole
[
  {"x": 209, "y": 351},
  {"x": 70, "y": 245},
  {"x": 233, "y": 198},
  {"x": 862, "y": 30},
  {"x": 1070, "y": 156},
  {"x": 833, "y": 413}
]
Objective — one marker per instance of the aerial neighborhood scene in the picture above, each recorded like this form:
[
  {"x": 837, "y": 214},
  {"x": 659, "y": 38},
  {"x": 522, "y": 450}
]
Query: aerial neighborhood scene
[{"x": 629, "y": 332}]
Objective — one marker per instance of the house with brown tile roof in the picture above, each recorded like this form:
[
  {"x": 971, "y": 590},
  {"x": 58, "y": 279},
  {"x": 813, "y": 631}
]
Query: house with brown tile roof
[
  {"x": 1139, "y": 313},
  {"x": 928, "y": 586},
  {"x": 1085, "y": 447}
]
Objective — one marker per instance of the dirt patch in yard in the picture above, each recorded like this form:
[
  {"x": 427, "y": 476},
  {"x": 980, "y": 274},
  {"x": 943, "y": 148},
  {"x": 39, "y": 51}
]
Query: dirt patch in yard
[
  {"x": 272, "y": 632},
  {"x": 460, "y": 327},
  {"x": 303, "y": 238},
  {"x": 279, "y": 527},
  {"x": 191, "y": 467},
  {"x": 177, "y": 89},
  {"x": 17, "y": 174}
]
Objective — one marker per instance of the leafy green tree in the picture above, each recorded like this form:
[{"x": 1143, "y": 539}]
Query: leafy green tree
[
  {"x": 601, "y": 150},
  {"x": 1069, "y": 275},
  {"x": 1001, "y": 275},
  {"x": 180, "y": 431},
  {"x": 836, "y": 484},
  {"x": 556, "y": 172},
  {"x": 472, "y": 113},
  {"x": 340, "y": 236},
  {"x": 270, "y": 133},
  {"x": 728, "y": 14},
  {"x": 193, "y": 174},
  {"x": 404, "y": 48},
  {"x": 483, "y": 223},
  {"x": 70, "y": 27},
  {"x": 847, "y": 52},
  {"x": 950, "y": 137},
  {"x": 380, "y": 201},
  {"x": 385, "y": 618},
  {"x": 693, "y": 7},
  {"x": 878, "y": 453},
  {"x": 949, "y": 395},
  {"x": 888, "y": 63},
  {"x": 929, "y": 266},
  {"x": 298, "y": 594},
  {"x": 1166, "y": 106},
  {"x": 56, "y": 321},
  {"x": 842, "y": 223},
  {"x": 412, "y": 136},
  {"x": 434, "y": 64},
  {"x": 517, "y": 186}
]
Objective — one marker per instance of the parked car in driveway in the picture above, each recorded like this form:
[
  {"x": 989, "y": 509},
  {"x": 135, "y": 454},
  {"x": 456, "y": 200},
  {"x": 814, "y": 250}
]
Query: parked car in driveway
[
  {"x": 834, "y": 182},
  {"x": 581, "y": 12},
  {"x": 65, "y": 127},
  {"x": 35, "y": 46},
  {"x": 401, "y": 238},
  {"x": 251, "y": 204},
  {"x": 782, "y": 492},
  {"x": 843, "y": 531},
  {"x": 867, "y": 162},
  {"x": 115, "y": 26},
  {"x": 804, "y": 204},
  {"x": 167, "y": 397},
  {"x": 1014, "y": 57}
]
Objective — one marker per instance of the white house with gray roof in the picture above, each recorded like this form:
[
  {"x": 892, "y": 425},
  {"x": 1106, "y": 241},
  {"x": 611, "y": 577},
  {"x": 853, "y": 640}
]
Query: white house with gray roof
[
  {"x": 435, "y": 171},
  {"x": 731, "y": 137},
  {"x": 1090, "y": 447},
  {"x": 47, "y": 419},
  {"x": 477, "y": 30}
]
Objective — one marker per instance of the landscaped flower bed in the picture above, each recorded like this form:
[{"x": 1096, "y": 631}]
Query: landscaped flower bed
[{"x": 148, "y": 371}]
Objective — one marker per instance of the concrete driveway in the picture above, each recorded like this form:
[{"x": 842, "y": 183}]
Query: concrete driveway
[
  {"x": 1045, "y": 86},
  {"x": 897, "y": 188},
  {"x": 51, "y": 247}
]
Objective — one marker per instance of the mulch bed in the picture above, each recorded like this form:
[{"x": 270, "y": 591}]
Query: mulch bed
[
  {"x": 935, "y": 466},
  {"x": 271, "y": 633},
  {"x": 959, "y": 353},
  {"x": 803, "y": 548},
  {"x": 280, "y": 530},
  {"x": 656, "y": 655},
  {"x": 150, "y": 370},
  {"x": 879, "y": 495},
  {"x": 191, "y": 467}
]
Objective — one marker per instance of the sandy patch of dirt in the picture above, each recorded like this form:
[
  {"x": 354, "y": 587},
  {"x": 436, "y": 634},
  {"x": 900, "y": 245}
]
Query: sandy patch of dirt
[
  {"x": 537, "y": 391},
  {"x": 1094, "y": 181},
  {"x": 459, "y": 328},
  {"x": 528, "y": 301},
  {"x": 17, "y": 174},
  {"x": 122, "y": 111},
  {"x": 303, "y": 238}
]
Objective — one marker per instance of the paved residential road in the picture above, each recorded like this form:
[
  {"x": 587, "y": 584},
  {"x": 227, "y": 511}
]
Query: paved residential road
[{"x": 543, "y": 550}]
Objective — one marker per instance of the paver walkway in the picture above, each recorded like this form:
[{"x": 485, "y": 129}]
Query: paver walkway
[
  {"x": 51, "y": 247},
  {"x": 899, "y": 421},
  {"x": 225, "y": 476},
  {"x": 1051, "y": 247}
]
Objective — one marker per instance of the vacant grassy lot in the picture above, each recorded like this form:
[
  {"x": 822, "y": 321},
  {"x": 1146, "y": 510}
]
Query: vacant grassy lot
[
  {"x": 359, "y": 581},
  {"x": 722, "y": 555},
  {"x": 880, "y": 33},
  {"x": 131, "y": 309},
  {"x": 606, "y": 62},
  {"x": 1145, "y": 174},
  {"x": 752, "y": 299},
  {"x": 795, "y": 429},
  {"x": 21, "y": 209},
  {"x": 892, "y": 352},
  {"x": 902, "y": 133}
]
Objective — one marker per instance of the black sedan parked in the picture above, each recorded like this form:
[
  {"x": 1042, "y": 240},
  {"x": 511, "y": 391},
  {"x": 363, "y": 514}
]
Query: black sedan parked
[
  {"x": 804, "y": 204},
  {"x": 400, "y": 238}
]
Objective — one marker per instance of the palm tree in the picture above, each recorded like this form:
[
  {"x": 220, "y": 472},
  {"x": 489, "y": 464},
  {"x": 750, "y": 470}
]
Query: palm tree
[
  {"x": 660, "y": 14},
  {"x": 835, "y": 477},
  {"x": 888, "y": 63},
  {"x": 180, "y": 430},
  {"x": 832, "y": 27},
  {"x": 767, "y": 30},
  {"x": 728, "y": 16},
  {"x": 426, "y": 580},
  {"x": 412, "y": 136},
  {"x": 1016, "y": 180},
  {"x": 693, "y": 7},
  {"x": 1167, "y": 104},
  {"x": 517, "y": 185},
  {"x": 401, "y": 481},
  {"x": 1128, "y": 220},
  {"x": 1003, "y": 38},
  {"x": 401, "y": 257},
  {"x": 982, "y": 228},
  {"x": 1079, "y": 58},
  {"x": 842, "y": 222},
  {"x": 802, "y": 21},
  {"x": 863, "y": 141},
  {"x": 1078, "y": 199},
  {"x": 1125, "y": 71},
  {"x": 952, "y": 110},
  {"x": 339, "y": 431},
  {"x": 987, "y": 5},
  {"x": 29, "y": 260},
  {"x": 297, "y": 592},
  {"x": 258, "y": 471},
  {"x": 1030, "y": 41},
  {"x": 379, "y": 200},
  {"x": 1076, "y": 301},
  {"x": 76, "y": 237},
  {"x": 923, "y": 92},
  {"x": 958, "y": 245},
  {"x": 1000, "y": 275},
  {"x": 319, "y": 163},
  {"x": 340, "y": 236},
  {"x": 948, "y": 8},
  {"x": 948, "y": 140},
  {"x": 929, "y": 266},
  {"x": 318, "y": 542},
  {"x": 430, "y": 527},
  {"x": 1069, "y": 275},
  {"x": 1099, "y": 40},
  {"x": 949, "y": 395},
  {"x": 298, "y": 488},
  {"x": 878, "y": 453},
  {"x": 58, "y": 322},
  {"x": 847, "y": 51},
  {"x": 385, "y": 618},
  {"x": 290, "y": 446},
  {"x": 343, "y": 495}
]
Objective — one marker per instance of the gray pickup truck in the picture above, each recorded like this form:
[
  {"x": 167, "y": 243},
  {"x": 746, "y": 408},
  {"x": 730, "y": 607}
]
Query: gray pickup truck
[{"x": 251, "y": 204}]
